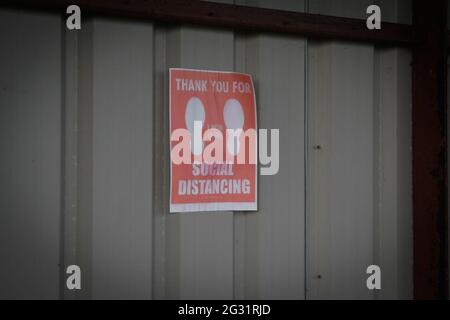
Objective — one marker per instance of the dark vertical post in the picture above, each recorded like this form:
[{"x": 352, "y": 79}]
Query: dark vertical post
[{"x": 430, "y": 149}]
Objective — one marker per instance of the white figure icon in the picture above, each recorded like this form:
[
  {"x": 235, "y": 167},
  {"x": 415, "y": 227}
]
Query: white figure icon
[
  {"x": 195, "y": 112},
  {"x": 233, "y": 115}
]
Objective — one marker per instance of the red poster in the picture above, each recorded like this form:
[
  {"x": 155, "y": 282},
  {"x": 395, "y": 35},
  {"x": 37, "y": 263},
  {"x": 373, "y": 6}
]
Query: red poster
[{"x": 212, "y": 169}]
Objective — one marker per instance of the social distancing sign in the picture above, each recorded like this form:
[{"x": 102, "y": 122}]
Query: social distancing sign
[{"x": 213, "y": 141}]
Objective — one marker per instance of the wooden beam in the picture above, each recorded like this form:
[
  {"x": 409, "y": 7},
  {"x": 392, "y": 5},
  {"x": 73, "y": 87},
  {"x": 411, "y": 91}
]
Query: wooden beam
[
  {"x": 233, "y": 16},
  {"x": 430, "y": 150}
]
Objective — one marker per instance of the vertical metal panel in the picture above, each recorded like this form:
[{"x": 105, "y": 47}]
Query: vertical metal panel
[
  {"x": 275, "y": 236},
  {"x": 201, "y": 242},
  {"x": 84, "y": 158},
  {"x": 393, "y": 223},
  {"x": 341, "y": 163},
  {"x": 70, "y": 157},
  {"x": 30, "y": 162},
  {"x": 271, "y": 242},
  {"x": 161, "y": 167},
  {"x": 122, "y": 159}
]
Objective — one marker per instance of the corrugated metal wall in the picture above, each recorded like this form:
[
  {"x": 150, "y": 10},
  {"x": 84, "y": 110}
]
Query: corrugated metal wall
[{"x": 84, "y": 179}]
